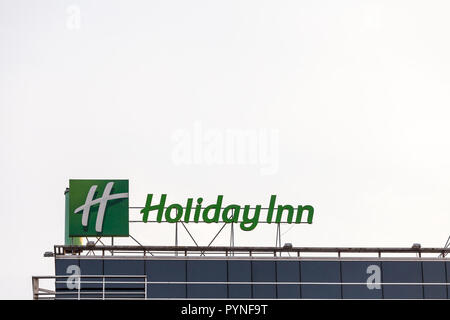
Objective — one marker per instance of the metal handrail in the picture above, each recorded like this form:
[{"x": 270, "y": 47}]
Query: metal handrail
[
  {"x": 39, "y": 292},
  {"x": 297, "y": 283},
  {"x": 72, "y": 249}
]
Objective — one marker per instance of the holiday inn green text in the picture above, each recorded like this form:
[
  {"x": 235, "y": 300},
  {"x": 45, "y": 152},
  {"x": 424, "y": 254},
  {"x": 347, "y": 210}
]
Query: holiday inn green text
[{"x": 214, "y": 213}]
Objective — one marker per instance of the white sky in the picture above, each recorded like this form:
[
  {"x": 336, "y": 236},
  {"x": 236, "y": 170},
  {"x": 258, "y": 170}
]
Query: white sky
[{"x": 358, "y": 91}]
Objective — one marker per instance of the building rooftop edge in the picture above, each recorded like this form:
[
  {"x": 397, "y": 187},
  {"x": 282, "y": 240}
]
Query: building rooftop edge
[{"x": 79, "y": 248}]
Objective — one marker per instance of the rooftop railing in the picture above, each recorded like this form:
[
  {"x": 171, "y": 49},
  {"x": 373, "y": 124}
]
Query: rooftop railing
[
  {"x": 112, "y": 287},
  {"x": 97, "y": 287},
  {"x": 102, "y": 250}
]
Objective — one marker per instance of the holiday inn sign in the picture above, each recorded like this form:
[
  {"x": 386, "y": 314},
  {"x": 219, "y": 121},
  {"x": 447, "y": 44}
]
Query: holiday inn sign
[{"x": 100, "y": 208}]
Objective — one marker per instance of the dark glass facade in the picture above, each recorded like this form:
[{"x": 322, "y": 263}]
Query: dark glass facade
[{"x": 276, "y": 278}]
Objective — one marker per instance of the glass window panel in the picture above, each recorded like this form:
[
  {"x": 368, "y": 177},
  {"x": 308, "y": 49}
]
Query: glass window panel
[
  {"x": 288, "y": 271},
  {"x": 448, "y": 278},
  {"x": 166, "y": 270},
  {"x": 207, "y": 271},
  {"x": 239, "y": 271},
  {"x": 62, "y": 290},
  {"x": 402, "y": 272},
  {"x": 434, "y": 272},
  {"x": 91, "y": 287},
  {"x": 119, "y": 288},
  {"x": 359, "y": 272},
  {"x": 320, "y": 271},
  {"x": 264, "y": 271}
]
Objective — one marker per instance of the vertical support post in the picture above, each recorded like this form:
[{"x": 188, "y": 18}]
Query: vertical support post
[
  {"x": 68, "y": 240},
  {"x": 176, "y": 237},
  {"x": 232, "y": 234},
  {"x": 278, "y": 237},
  {"x": 79, "y": 287},
  {"x": 279, "y": 234},
  {"x": 145, "y": 291},
  {"x": 103, "y": 288},
  {"x": 35, "y": 283}
]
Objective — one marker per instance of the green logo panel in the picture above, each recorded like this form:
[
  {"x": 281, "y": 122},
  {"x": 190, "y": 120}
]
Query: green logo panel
[{"x": 98, "y": 208}]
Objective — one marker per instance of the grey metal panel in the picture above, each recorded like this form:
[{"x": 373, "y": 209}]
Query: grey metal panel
[
  {"x": 166, "y": 270},
  {"x": 288, "y": 271},
  {"x": 321, "y": 271},
  {"x": 359, "y": 272},
  {"x": 264, "y": 271},
  {"x": 239, "y": 271},
  {"x": 402, "y": 272}
]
